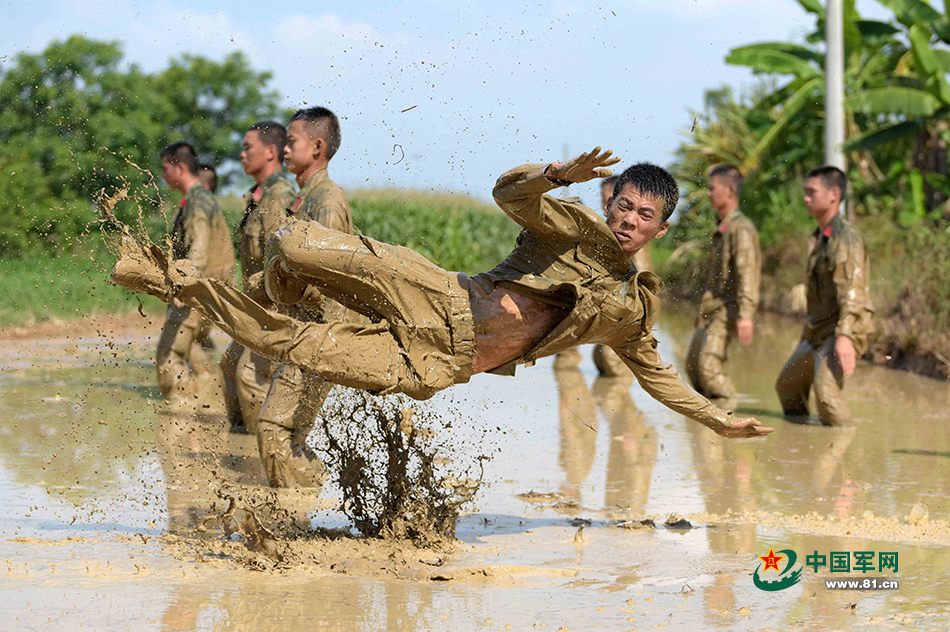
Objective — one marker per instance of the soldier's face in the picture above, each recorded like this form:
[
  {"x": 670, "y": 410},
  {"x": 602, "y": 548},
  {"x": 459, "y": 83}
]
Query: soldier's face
[
  {"x": 302, "y": 150},
  {"x": 635, "y": 218},
  {"x": 254, "y": 154},
  {"x": 719, "y": 194},
  {"x": 820, "y": 199},
  {"x": 171, "y": 174}
]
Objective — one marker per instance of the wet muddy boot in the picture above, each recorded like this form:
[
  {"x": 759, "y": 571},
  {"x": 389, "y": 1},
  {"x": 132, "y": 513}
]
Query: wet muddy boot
[
  {"x": 288, "y": 461},
  {"x": 567, "y": 359}
]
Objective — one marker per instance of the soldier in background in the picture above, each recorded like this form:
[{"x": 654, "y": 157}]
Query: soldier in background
[
  {"x": 838, "y": 319},
  {"x": 247, "y": 375},
  {"x": 200, "y": 234},
  {"x": 208, "y": 177},
  {"x": 731, "y": 299}
]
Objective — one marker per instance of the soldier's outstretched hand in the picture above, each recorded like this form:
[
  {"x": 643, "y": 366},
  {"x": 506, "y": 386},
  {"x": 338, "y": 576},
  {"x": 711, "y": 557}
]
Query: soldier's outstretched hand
[
  {"x": 743, "y": 428},
  {"x": 587, "y": 166}
]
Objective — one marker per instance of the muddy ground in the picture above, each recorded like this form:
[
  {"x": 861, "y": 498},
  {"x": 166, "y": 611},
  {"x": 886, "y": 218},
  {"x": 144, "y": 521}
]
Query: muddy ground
[{"x": 109, "y": 505}]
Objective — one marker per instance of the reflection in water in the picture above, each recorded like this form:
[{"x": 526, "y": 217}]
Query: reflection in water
[{"x": 632, "y": 449}]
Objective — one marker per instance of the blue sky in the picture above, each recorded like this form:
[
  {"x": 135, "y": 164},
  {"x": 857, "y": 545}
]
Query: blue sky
[{"x": 494, "y": 84}]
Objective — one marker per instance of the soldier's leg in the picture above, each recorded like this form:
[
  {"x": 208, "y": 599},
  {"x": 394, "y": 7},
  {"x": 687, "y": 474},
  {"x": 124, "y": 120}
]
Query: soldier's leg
[
  {"x": 829, "y": 384},
  {"x": 175, "y": 377},
  {"x": 795, "y": 380},
  {"x": 608, "y": 363},
  {"x": 692, "y": 356},
  {"x": 713, "y": 381},
  {"x": 202, "y": 348},
  {"x": 252, "y": 382},
  {"x": 229, "y": 369},
  {"x": 292, "y": 404}
]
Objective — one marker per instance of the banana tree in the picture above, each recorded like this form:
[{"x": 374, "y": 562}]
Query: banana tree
[{"x": 871, "y": 52}]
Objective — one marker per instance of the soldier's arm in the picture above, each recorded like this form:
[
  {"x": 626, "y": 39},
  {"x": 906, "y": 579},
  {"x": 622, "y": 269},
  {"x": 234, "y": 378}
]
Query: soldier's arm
[
  {"x": 748, "y": 271},
  {"x": 520, "y": 193},
  {"x": 198, "y": 236},
  {"x": 850, "y": 276},
  {"x": 661, "y": 381}
]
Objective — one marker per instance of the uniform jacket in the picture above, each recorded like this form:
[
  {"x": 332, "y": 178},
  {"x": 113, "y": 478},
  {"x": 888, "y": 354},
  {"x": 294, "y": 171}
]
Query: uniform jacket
[
  {"x": 839, "y": 292},
  {"x": 266, "y": 208},
  {"x": 735, "y": 269},
  {"x": 568, "y": 257},
  {"x": 199, "y": 233}
]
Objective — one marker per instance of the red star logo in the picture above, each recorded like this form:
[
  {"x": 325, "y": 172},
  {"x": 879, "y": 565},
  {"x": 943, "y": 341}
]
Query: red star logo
[{"x": 771, "y": 560}]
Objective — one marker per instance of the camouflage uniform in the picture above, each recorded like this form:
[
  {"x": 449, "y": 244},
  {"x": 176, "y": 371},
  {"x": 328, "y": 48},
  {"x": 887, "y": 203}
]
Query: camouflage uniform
[
  {"x": 199, "y": 233},
  {"x": 295, "y": 395},
  {"x": 422, "y": 337},
  {"x": 735, "y": 273},
  {"x": 839, "y": 304},
  {"x": 247, "y": 375}
]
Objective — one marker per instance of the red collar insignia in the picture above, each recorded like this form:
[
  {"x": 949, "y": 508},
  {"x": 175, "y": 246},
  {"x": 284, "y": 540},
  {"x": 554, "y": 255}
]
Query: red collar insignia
[
  {"x": 296, "y": 204},
  {"x": 722, "y": 228},
  {"x": 829, "y": 231},
  {"x": 182, "y": 203},
  {"x": 258, "y": 194}
]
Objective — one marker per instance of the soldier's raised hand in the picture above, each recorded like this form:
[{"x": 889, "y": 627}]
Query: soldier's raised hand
[{"x": 587, "y": 166}]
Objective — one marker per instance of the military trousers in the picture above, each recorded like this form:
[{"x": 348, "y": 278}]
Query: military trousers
[
  {"x": 423, "y": 338},
  {"x": 708, "y": 351},
  {"x": 182, "y": 351},
  {"x": 816, "y": 367}
]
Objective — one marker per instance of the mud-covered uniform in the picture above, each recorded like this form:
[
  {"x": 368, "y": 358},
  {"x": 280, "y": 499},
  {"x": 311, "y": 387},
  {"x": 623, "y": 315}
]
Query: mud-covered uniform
[
  {"x": 247, "y": 375},
  {"x": 839, "y": 304},
  {"x": 199, "y": 233},
  {"x": 422, "y": 340},
  {"x": 295, "y": 395},
  {"x": 732, "y": 294}
]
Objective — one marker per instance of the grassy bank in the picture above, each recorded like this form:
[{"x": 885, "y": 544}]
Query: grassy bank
[
  {"x": 455, "y": 232},
  {"x": 910, "y": 274}
]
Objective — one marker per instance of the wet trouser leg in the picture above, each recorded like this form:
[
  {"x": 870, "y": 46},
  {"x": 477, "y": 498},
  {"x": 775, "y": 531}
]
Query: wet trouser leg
[
  {"x": 567, "y": 359},
  {"x": 293, "y": 401},
  {"x": 424, "y": 344},
  {"x": 795, "y": 379},
  {"x": 252, "y": 382},
  {"x": 229, "y": 368},
  {"x": 175, "y": 345},
  {"x": 608, "y": 363},
  {"x": 706, "y": 356},
  {"x": 829, "y": 387}
]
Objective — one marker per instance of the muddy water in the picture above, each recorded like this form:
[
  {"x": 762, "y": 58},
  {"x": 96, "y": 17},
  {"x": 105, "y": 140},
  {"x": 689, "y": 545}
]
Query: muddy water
[{"x": 96, "y": 475}]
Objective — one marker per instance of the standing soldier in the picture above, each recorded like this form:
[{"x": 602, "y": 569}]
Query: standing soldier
[
  {"x": 296, "y": 396},
  {"x": 199, "y": 233},
  {"x": 838, "y": 319},
  {"x": 732, "y": 295},
  {"x": 247, "y": 375}
]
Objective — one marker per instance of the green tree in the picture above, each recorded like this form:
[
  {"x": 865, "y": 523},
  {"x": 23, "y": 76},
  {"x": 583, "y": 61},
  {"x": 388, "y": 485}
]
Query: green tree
[{"x": 78, "y": 120}]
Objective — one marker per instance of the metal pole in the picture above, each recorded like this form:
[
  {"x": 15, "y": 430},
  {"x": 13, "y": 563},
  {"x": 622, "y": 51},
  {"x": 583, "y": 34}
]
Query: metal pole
[{"x": 834, "y": 85}]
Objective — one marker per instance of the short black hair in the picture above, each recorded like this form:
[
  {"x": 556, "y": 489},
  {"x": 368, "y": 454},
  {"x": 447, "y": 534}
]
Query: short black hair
[
  {"x": 208, "y": 171},
  {"x": 728, "y": 173},
  {"x": 319, "y": 120},
  {"x": 272, "y": 133},
  {"x": 652, "y": 180},
  {"x": 181, "y": 153},
  {"x": 610, "y": 181},
  {"x": 832, "y": 177}
]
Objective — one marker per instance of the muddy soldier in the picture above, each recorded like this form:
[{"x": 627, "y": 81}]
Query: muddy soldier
[
  {"x": 199, "y": 234},
  {"x": 607, "y": 362},
  {"x": 731, "y": 298},
  {"x": 838, "y": 318},
  {"x": 296, "y": 394},
  {"x": 569, "y": 281},
  {"x": 247, "y": 375}
]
